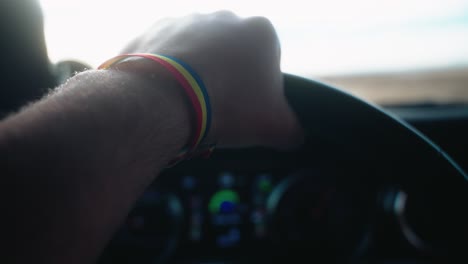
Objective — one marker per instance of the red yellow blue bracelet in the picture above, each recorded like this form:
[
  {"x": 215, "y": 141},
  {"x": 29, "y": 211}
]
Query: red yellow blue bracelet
[{"x": 193, "y": 87}]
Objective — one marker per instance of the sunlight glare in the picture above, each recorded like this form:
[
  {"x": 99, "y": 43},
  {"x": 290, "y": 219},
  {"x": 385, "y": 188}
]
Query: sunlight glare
[{"x": 318, "y": 37}]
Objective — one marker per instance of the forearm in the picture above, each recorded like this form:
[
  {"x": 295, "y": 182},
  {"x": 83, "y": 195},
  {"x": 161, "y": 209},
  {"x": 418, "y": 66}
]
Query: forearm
[{"x": 75, "y": 161}]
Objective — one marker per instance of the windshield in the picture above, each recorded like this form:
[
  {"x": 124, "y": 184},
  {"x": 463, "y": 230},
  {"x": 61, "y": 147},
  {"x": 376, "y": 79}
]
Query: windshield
[{"x": 371, "y": 48}]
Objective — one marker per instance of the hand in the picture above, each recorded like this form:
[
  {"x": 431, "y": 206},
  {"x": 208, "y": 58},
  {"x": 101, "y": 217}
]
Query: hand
[{"x": 239, "y": 61}]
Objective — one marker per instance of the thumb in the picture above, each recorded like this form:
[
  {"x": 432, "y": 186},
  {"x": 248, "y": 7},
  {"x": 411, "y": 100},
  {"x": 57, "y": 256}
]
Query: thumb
[{"x": 283, "y": 130}]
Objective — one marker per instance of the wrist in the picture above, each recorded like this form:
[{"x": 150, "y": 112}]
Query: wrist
[
  {"x": 213, "y": 81},
  {"x": 193, "y": 87},
  {"x": 165, "y": 99}
]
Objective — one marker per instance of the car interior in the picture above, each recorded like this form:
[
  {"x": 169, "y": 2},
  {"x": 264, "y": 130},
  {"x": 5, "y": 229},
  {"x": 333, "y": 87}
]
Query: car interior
[{"x": 380, "y": 178}]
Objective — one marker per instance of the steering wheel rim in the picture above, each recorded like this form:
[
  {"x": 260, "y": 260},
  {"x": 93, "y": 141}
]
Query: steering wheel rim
[
  {"x": 370, "y": 142},
  {"x": 352, "y": 145}
]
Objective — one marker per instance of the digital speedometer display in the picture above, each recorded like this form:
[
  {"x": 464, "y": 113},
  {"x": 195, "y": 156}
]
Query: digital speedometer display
[{"x": 233, "y": 213}]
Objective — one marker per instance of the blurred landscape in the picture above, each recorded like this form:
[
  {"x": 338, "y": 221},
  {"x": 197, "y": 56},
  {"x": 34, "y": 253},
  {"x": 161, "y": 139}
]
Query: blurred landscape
[{"x": 438, "y": 86}]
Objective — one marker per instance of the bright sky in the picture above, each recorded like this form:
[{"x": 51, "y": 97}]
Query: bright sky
[{"x": 317, "y": 37}]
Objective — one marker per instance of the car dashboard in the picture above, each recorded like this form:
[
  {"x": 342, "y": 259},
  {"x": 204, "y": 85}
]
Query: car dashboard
[{"x": 263, "y": 206}]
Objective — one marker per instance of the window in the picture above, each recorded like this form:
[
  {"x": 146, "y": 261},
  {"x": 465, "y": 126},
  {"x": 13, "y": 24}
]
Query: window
[{"x": 319, "y": 38}]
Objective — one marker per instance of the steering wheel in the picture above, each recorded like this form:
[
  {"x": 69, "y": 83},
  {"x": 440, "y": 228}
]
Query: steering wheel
[
  {"x": 363, "y": 184},
  {"x": 378, "y": 148}
]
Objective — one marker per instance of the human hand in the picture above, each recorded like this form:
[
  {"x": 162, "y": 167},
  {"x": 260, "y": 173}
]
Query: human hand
[{"x": 239, "y": 61}]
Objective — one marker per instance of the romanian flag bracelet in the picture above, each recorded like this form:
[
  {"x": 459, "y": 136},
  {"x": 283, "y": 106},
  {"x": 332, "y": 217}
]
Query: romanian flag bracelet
[{"x": 195, "y": 90}]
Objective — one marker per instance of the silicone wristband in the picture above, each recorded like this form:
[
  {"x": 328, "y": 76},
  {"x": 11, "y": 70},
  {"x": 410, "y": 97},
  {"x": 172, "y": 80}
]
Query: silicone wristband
[{"x": 195, "y": 90}]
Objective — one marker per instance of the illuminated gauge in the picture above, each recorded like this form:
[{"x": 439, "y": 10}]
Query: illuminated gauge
[
  {"x": 150, "y": 233},
  {"x": 434, "y": 221},
  {"x": 224, "y": 201},
  {"x": 225, "y": 218},
  {"x": 312, "y": 216}
]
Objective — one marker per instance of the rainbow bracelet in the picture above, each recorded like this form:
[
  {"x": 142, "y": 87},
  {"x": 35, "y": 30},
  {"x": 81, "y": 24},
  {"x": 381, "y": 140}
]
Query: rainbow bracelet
[{"x": 193, "y": 87}]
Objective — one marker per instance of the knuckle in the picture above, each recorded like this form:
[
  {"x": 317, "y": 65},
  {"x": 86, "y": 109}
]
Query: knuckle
[
  {"x": 224, "y": 13},
  {"x": 262, "y": 26},
  {"x": 260, "y": 21}
]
